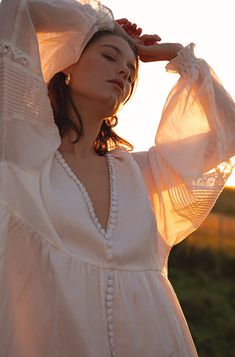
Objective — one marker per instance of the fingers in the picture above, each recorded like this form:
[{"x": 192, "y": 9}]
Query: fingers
[
  {"x": 131, "y": 28},
  {"x": 135, "y": 32},
  {"x": 122, "y": 21},
  {"x": 150, "y": 38}
]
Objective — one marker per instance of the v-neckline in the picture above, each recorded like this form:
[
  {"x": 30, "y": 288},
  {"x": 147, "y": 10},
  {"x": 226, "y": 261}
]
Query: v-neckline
[{"x": 107, "y": 231}]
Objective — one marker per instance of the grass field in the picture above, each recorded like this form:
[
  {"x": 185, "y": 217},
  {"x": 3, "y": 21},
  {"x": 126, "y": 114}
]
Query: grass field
[
  {"x": 226, "y": 202},
  {"x": 202, "y": 271}
]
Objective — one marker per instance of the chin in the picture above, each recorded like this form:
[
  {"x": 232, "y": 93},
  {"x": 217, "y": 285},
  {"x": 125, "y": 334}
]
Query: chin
[{"x": 112, "y": 106}]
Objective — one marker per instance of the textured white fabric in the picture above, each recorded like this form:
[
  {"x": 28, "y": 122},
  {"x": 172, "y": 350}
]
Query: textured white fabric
[{"x": 66, "y": 288}]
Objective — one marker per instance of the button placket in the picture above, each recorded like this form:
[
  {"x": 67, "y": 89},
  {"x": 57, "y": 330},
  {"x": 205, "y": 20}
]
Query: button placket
[
  {"x": 106, "y": 234},
  {"x": 113, "y": 199},
  {"x": 109, "y": 311}
]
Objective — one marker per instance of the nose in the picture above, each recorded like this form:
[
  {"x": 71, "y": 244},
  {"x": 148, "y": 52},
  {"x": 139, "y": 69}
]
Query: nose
[{"x": 124, "y": 71}]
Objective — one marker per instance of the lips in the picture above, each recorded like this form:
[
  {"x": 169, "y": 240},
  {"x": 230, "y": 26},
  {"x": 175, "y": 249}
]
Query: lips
[{"x": 118, "y": 82}]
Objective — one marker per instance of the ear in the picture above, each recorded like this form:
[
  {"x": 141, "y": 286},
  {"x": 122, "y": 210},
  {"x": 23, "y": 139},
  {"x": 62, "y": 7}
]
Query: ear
[{"x": 67, "y": 70}]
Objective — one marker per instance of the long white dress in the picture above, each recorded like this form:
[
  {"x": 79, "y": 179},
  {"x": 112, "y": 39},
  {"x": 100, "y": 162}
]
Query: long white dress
[{"x": 69, "y": 287}]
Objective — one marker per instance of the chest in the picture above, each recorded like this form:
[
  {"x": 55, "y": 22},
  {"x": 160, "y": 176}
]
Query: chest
[
  {"x": 131, "y": 223},
  {"x": 94, "y": 182}
]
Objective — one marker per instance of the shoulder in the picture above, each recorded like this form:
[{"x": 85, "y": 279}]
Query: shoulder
[
  {"x": 139, "y": 161},
  {"x": 141, "y": 158},
  {"x": 123, "y": 157},
  {"x": 137, "y": 158}
]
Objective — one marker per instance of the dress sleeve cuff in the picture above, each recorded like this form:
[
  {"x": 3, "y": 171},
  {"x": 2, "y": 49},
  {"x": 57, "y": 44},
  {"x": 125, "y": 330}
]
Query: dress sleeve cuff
[
  {"x": 185, "y": 63},
  {"x": 105, "y": 18}
]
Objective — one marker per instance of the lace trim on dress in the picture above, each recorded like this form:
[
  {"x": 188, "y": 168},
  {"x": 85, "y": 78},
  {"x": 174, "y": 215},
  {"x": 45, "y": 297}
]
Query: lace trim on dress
[
  {"x": 7, "y": 49},
  {"x": 105, "y": 17},
  {"x": 215, "y": 179},
  {"x": 202, "y": 194}
]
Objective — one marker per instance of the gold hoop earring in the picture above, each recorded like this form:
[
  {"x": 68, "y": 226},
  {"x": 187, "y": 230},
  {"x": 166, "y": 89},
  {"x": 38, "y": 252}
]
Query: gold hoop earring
[
  {"x": 112, "y": 122},
  {"x": 67, "y": 79}
]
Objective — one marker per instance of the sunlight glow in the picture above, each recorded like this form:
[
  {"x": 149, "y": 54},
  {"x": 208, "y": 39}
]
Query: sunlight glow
[{"x": 209, "y": 24}]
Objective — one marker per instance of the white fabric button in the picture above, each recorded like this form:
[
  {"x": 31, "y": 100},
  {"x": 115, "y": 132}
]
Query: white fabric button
[
  {"x": 109, "y": 257},
  {"x": 110, "y": 327},
  {"x": 111, "y": 333},
  {"x": 98, "y": 226},
  {"x": 113, "y": 220},
  {"x": 92, "y": 214},
  {"x": 109, "y": 304},
  {"x": 102, "y": 231},
  {"x": 109, "y": 297},
  {"x": 111, "y": 274},
  {"x": 110, "y": 319},
  {"x": 109, "y": 311},
  {"x": 110, "y": 290},
  {"x": 109, "y": 244},
  {"x": 108, "y": 235},
  {"x": 110, "y": 282}
]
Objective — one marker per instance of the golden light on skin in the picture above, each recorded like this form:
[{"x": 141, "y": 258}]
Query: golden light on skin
[{"x": 209, "y": 24}]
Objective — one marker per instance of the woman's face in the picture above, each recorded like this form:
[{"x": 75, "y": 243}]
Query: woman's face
[{"x": 104, "y": 74}]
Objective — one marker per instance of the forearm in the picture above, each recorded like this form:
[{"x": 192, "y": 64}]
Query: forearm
[{"x": 158, "y": 52}]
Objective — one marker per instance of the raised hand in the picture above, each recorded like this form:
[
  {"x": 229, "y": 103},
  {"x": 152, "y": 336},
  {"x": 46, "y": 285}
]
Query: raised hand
[
  {"x": 148, "y": 46},
  {"x": 131, "y": 29},
  {"x": 134, "y": 32}
]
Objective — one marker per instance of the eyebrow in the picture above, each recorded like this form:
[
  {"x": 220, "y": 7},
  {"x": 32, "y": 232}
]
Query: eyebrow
[{"x": 120, "y": 53}]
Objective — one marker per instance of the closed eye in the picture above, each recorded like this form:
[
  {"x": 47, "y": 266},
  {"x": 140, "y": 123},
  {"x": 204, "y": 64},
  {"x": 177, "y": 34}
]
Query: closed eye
[{"x": 109, "y": 58}]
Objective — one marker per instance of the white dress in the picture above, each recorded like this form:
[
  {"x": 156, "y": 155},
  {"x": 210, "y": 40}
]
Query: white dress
[{"x": 69, "y": 287}]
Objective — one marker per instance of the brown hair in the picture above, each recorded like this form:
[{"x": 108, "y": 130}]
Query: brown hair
[{"x": 61, "y": 99}]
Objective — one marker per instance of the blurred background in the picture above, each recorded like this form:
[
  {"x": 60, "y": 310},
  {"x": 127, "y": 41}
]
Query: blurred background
[{"x": 202, "y": 268}]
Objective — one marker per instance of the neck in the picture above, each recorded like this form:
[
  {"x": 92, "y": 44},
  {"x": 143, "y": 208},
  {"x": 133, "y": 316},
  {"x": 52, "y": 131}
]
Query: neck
[
  {"x": 84, "y": 148},
  {"x": 92, "y": 115}
]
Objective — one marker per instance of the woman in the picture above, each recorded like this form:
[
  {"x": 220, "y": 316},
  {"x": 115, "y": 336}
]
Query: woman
[{"x": 86, "y": 231}]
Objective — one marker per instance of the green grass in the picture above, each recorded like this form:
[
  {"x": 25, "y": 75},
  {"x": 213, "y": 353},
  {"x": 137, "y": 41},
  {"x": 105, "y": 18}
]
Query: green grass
[
  {"x": 226, "y": 202},
  {"x": 202, "y": 271},
  {"x": 208, "y": 302}
]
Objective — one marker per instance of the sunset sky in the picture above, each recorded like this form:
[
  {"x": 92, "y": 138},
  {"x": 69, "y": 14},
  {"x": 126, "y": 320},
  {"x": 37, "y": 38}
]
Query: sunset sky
[{"x": 209, "y": 24}]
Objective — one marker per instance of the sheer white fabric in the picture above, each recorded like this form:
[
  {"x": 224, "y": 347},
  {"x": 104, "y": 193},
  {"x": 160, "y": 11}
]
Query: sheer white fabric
[
  {"x": 192, "y": 159},
  {"x": 67, "y": 287}
]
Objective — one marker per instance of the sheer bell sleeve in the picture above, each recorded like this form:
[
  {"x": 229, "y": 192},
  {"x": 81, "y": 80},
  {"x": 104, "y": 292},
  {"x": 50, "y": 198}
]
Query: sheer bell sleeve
[
  {"x": 195, "y": 145},
  {"x": 38, "y": 38}
]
